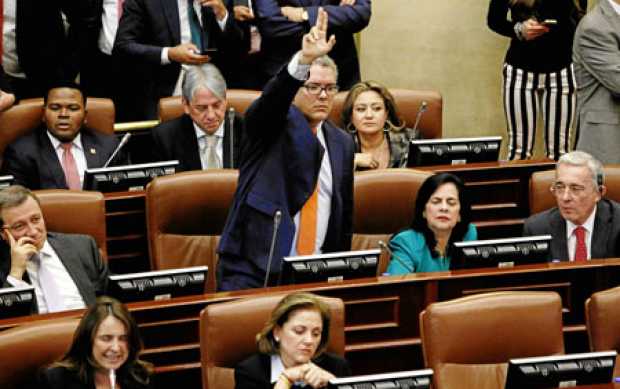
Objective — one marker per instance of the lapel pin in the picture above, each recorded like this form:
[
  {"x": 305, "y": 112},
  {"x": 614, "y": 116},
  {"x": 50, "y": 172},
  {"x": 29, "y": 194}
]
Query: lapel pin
[{"x": 93, "y": 151}]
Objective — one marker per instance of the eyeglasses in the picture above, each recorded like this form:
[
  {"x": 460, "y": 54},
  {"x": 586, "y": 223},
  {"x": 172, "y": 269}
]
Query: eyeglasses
[
  {"x": 316, "y": 89},
  {"x": 559, "y": 188},
  {"x": 201, "y": 109}
]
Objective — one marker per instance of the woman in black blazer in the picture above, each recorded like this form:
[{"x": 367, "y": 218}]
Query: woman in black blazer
[
  {"x": 103, "y": 355},
  {"x": 292, "y": 346}
]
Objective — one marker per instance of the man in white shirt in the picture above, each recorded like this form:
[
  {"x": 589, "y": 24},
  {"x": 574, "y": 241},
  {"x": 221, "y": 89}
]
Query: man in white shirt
[
  {"x": 584, "y": 225},
  {"x": 66, "y": 270},
  {"x": 161, "y": 36},
  {"x": 207, "y": 136},
  {"x": 55, "y": 155}
]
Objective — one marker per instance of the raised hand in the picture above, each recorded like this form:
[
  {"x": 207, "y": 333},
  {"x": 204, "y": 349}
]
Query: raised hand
[
  {"x": 315, "y": 43},
  {"x": 21, "y": 251}
]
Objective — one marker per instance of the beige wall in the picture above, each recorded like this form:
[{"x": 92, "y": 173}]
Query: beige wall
[{"x": 444, "y": 45}]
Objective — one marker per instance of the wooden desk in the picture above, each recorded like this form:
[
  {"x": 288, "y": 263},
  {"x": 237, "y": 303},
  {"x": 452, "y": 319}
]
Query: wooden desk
[
  {"x": 381, "y": 329},
  {"x": 499, "y": 193}
]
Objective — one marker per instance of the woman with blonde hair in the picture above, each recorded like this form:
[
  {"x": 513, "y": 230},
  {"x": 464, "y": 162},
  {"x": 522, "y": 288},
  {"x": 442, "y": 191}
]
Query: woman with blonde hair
[
  {"x": 381, "y": 139},
  {"x": 292, "y": 348}
]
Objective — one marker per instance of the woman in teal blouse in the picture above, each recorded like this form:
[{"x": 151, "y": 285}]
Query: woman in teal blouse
[{"x": 442, "y": 217}]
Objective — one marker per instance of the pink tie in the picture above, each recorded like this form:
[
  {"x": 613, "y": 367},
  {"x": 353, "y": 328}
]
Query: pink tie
[
  {"x": 70, "y": 167},
  {"x": 581, "y": 251},
  {"x": 119, "y": 8}
]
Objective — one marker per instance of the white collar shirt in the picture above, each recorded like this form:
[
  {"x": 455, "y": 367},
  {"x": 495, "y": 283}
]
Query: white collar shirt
[
  {"x": 571, "y": 240},
  {"x": 76, "y": 149}
]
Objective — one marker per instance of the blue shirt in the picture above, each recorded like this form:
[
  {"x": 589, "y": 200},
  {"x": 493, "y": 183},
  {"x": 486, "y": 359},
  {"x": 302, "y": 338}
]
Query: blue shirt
[{"x": 410, "y": 247}]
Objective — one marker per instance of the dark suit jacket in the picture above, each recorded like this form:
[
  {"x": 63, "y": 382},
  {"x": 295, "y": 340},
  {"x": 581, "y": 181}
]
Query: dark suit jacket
[
  {"x": 62, "y": 378},
  {"x": 147, "y": 26},
  {"x": 605, "y": 238},
  {"x": 33, "y": 162},
  {"x": 176, "y": 139},
  {"x": 255, "y": 372},
  {"x": 4, "y": 85},
  {"x": 80, "y": 256},
  {"x": 46, "y": 53},
  {"x": 279, "y": 168},
  {"x": 281, "y": 38}
]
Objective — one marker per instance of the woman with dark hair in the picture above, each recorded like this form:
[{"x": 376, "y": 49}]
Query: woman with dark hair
[
  {"x": 442, "y": 217},
  {"x": 370, "y": 114},
  {"x": 104, "y": 353},
  {"x": 537, "y": 71},
  {"x": 292, "y": 348}
]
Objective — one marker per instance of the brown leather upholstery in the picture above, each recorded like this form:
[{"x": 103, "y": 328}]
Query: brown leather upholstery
[
  {"x": 240, "y": 99},
  {"x": 468, "y": 341},
  {"x": 542, "y": 199},
  {"x": 76, "y": 212},
  {"x": 384, "y": 202},
  {"x": 603, "y": 322},
  {"x": 27, "y": 348},
  {"x": 27, "y": 115},
  {"x": 408, "y": 101},
  {"x": 185, "y": 216},
  {"x": 228, "y": 335}
]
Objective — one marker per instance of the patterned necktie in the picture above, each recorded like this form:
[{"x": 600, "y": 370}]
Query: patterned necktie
[
  {"x": 213, "y": 162},
  {"x": 581, "y": 251},
  {"x": 194, "y": 25},
  {"x": 70, "y": 167},
  {"x": 49, "y": 286},
  {"x": 307, "y": 222}
]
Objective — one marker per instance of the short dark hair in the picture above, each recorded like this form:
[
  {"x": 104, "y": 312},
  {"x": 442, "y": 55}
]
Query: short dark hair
[
  {"x": 64, "y": 84},
  {"x": 79, "y": 358},
  {"x": 420, "y": 224},
  {"x": 14, "y": 196},
  {"x": 282, "y": 312}
]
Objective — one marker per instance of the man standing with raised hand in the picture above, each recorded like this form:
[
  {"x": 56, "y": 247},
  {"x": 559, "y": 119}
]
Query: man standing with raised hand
[{"x": 296, "y": 172}]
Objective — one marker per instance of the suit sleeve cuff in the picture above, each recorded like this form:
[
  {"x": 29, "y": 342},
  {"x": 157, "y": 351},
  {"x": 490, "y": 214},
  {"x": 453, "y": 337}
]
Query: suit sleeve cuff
[
  {"x": 222, "y": 23},
  {"x": 15, "y": 282}
]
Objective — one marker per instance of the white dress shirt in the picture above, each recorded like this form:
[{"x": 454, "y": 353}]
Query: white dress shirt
[
  {"x": 219, "y": 147},
  {"x": 71, "y": 297},
  {"x": 109, "y": 25},
  {"x": 76, "y": 149},
  {"x": 615, "y": 6},
  {"x": 9, "y": 61},
  {"x": 571, "y": 239}
]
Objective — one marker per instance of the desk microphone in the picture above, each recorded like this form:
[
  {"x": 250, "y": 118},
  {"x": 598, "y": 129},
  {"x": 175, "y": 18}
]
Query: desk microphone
[
  {"x": 112, "y": 379},
  {"x": 231, "y": 124},
  {"x": 118, "y": 148},
  {"x": 385, "y": 248},
  {"x": 276, "y": 226},
  {"x": 423, "y": 107}
]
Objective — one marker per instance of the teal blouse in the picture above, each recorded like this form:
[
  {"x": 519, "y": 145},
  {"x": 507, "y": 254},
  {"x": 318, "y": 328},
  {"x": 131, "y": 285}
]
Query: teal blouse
[{"x": 410, "y": 247}]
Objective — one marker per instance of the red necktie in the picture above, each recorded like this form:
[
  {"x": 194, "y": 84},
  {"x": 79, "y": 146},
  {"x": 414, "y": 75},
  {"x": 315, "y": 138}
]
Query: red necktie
[
  {"x": 70, "y": 167},
  {"x": 581, "y": 251},
  {"x": 307, "y": 222}
]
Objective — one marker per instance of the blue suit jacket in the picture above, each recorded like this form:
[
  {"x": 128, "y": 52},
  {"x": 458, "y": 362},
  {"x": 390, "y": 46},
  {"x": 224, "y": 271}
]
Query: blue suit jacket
[
  {"x": 282, "y": 38},
  {"x": 279, "y": 168}
]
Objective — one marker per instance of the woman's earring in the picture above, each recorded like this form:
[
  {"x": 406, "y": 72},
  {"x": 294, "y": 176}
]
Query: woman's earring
[{"x": 276, "y": 339}]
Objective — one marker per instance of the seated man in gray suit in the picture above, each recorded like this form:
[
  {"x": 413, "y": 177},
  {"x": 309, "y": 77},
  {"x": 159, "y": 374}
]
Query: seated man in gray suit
[
  {"x": 66, "y": 270},
  {"x": 207, "y": 136},
  {"x": 584, "y": 225},
  {"x": 596, "y": 56}
]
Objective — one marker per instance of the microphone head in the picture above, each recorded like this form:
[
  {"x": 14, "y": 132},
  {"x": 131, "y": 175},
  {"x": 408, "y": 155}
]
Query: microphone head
[{"x": 423, "y": 106}]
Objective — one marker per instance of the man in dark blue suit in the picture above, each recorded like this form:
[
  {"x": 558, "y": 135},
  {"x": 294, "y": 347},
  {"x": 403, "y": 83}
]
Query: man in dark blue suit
[
  {"x": 284, "y": 166},
  {"x": 283, "y": 22}
]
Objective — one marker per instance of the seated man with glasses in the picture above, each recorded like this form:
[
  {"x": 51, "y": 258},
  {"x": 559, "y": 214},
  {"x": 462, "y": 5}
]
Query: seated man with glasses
[
  {"x": 295, "y": 189},
  {"x": 584, "y": 225},
  {"x": 206, "y": 136},
  {"x": 66, "y": 270}
]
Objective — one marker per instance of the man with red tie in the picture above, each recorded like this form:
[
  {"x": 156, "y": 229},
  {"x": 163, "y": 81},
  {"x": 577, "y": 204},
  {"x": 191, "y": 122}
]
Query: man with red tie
[
  {"x": 584, "y": 225},
  {"x": 295, "y": 172},
  {"x": 55, "y": 155}
]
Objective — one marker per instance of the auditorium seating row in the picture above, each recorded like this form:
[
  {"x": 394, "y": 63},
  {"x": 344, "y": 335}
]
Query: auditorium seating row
[
  {"x": 25, "y": 116},
  {"x": 467, "y": 341},
  {"x": 186, "y": 212}
]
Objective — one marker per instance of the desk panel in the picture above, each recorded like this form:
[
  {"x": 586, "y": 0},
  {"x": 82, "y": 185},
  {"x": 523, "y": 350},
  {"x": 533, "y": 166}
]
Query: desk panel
[{"x": 381, "y": 323}]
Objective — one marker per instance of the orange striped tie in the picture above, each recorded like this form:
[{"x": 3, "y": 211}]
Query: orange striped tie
[{"x": 307, "y": 222}]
